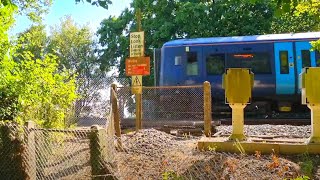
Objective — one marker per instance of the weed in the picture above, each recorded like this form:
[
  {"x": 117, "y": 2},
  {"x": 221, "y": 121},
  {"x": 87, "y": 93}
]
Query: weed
[
  {"x": 275, "y": 162},
  {"x": 258, "y": 154},
  {"x": 231, "y": 164},
  {"x": 300, "y": 178},
  {"x": 212, "y": 148},
  {"x": 239, "y": 147},
  {"x": 307, "y": 165},
  {"x": 171, "y": 175}
]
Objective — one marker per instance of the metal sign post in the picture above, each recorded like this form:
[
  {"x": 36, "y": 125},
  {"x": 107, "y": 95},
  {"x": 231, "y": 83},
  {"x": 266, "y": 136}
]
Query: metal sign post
[{"x": 136, "y": 67}]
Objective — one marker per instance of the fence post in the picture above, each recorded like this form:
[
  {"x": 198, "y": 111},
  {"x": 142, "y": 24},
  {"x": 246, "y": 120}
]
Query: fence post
[
  {"x": 99, "y": 153},
  {"x": 30, "y": 151},
  {"x": 207, "y": 108},
  {"x": 116, "y": 113}
]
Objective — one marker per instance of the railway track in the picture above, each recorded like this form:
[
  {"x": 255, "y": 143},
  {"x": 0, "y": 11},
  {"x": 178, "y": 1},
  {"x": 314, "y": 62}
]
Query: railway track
[
  {"x": 195, "y": 127},
  {"x": 275, "y": 121}
]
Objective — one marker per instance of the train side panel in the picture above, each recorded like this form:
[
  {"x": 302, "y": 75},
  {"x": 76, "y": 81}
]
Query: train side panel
[
  {"x": 193, "y": 65},
  {"x": 181, "y": 66}
]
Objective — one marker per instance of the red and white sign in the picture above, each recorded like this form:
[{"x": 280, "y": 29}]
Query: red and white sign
[{"x": 138, "y": 66}]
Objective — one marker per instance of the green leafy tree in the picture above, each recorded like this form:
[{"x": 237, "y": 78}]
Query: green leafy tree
[
  {"x": 166, "y": 20},
  {"x": 76, "y": 50},
  {"x": 103, "y": 3},
  {"x": 33, "y": 90},
  {"x": 33, "y": 9},
  {"x": 34, "y": 40},
  {"x": 7, "y": 11},
  {"x": 31, "y": 87},
  {"x": 311, "y": 7}
]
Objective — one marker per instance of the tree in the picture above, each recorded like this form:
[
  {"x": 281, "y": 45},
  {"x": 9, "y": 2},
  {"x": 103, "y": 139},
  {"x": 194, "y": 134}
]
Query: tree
[
  {"x": 311, "y": 7},
  {"x": 31, "y": 87},
  {"x": 34, "y": 40},
  {"x": 166, "y": 20},
  {"x": 7, "y": 11},
  {"x": 103, "y": 3},
  {"x": 76, "y": 49},
  {"x": 33, "y": 9}
]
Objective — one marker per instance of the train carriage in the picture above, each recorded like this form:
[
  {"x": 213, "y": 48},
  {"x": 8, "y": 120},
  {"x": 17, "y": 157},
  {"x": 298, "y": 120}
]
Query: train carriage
[{"x": 276, "y": 61}]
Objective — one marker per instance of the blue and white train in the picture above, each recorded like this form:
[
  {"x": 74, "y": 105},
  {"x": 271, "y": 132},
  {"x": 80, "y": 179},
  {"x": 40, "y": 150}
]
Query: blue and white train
[{"x": 276, "y": 61}]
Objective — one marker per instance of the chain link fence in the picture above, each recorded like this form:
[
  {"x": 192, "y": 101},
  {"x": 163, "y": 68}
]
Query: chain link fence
[
  {"x": 93, "y": 105},
  {"x": 173, "y": 103},
  {"x": 28, "y": 152},
  {"x": 164, "y": 107}
]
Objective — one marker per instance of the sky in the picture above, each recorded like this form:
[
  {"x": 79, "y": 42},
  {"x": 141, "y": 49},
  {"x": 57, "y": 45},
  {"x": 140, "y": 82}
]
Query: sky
[{"x": 82, "y": 13}]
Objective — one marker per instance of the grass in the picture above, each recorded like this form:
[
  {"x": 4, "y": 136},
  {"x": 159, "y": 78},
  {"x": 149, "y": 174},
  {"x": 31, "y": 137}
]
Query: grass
[
  {"x": 171, "y": 175},
  {"x": 307, "y": 165}
]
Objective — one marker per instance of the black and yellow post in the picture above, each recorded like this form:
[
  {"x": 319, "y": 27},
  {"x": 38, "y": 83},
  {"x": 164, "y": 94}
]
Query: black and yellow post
[{"x": 238, "y": 84}]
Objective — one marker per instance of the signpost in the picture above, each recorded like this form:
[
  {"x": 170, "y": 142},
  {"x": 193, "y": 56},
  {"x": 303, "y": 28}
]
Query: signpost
[{"x": 137, "y": 65}]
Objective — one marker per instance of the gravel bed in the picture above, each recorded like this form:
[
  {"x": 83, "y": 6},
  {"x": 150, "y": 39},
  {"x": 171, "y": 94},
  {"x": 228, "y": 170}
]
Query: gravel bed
[
  {"x": 151, "y": 154},
  {"x": 272, "y": 130}
]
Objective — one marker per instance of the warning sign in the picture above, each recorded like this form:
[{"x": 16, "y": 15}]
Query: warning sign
[
  {"x": 136, "y": 84},
  {"x": 136, "y": 80},
  {"x": 137, "y": 44},
  {"x": 138, "y": 66}
]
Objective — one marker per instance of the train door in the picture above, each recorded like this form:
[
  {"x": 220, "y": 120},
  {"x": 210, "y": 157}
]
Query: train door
[
  {"x": 284, "y": 66},
  {"x": 178, "y": 70},
  {"x": 304, "y": 58},
  {"x": 194, "y": 65},
  {"x": 172, "y": 66}
]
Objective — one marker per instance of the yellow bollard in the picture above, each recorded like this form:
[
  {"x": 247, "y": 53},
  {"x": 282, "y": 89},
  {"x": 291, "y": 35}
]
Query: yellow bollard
[
  {"x": 315, "y": 124},
  {"x": 237, "y": 121},
  {"x": 310, "y": 94},
  {"x": 238, "y": 83}
]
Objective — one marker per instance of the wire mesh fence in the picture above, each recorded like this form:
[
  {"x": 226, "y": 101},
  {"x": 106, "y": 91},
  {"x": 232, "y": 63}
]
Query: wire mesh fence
[
  {"x": 164, "y": 106},
  {"x": 173, "y": 103},
  {"x": 93, "y": 105},
  {"x": 28, "y": 152}
]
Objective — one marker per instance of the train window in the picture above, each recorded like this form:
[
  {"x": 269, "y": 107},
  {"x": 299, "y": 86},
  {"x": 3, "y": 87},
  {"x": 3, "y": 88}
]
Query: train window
[
  {"x": 284, "y": 62},
  {"x": 258, "y": 62},
  {"x": 215, "y": 64},
  {"x": 306, "y": 60},
  {"x": 192, "y": 63},
  {"x": 177, "y": 60}
]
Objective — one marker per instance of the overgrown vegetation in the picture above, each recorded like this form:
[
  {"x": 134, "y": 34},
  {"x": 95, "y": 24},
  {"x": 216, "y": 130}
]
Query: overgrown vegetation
[
  {"x": 307, "y": 165},
  {"x": 31, "y": 86}
]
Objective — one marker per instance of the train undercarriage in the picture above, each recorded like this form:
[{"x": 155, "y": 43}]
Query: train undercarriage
[{"x": 286, "y": 108}]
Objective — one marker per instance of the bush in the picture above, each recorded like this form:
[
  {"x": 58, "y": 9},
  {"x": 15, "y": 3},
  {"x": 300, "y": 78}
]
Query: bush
[{"x": 35, "y": 90}]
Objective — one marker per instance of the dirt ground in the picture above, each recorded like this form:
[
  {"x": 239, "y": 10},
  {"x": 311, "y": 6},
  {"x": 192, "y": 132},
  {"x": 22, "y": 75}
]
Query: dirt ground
[{"x": 151, "y": 154}]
